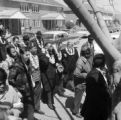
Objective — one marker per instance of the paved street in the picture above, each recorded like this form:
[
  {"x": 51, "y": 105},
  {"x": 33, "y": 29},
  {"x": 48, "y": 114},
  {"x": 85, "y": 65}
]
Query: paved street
[
  {"x": 26, "y": 28},
  {"x": 63, "y": 105},
  {"x": 62, "y": 110}
]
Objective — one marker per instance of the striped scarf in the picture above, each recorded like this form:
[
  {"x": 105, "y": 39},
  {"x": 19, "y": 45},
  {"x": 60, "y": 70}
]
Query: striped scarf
[{"x": 34, "y": 61}]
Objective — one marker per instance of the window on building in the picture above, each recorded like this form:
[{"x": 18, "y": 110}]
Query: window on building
[
  {"x": 22, "y": 23},
  {"x": 25, "y": 23},
  {"x": 59, "y": 9},
  {"x": 36, "y": 23},
  {"x": 33, "y": 23},
  {"x": 35, "y": 8},
  {"x": 49, "y": 24},
  {"x": 24, "y": 7}
]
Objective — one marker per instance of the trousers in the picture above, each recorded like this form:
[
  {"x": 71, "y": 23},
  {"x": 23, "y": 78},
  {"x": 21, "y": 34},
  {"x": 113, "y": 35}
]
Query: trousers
[
  {"x": 37, "y": 95},
  {"x": 79, "y": 90}
]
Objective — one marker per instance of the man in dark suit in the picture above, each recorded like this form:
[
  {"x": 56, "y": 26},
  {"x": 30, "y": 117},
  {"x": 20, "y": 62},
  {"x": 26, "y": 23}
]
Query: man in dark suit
[{"x": 97, "y": 105}]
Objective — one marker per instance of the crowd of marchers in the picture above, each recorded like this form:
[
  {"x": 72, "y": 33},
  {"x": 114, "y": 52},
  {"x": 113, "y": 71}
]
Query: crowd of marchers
[{"x": 35, "y": 71}]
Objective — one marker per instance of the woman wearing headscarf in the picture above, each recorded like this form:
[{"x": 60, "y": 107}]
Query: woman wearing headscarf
[{"x": 97, "y": 105}]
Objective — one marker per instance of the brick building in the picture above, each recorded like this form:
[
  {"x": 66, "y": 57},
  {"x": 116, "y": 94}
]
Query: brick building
[{"x": 37, "y": 13}]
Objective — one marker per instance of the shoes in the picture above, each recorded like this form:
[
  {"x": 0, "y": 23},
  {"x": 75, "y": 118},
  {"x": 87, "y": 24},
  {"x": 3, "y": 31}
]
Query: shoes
[
  {"x": 40, "y": 112},
  {"x": 35, "y": 119},
  {"x": 77, "y": 115},
  {"x": 51, "y": 106},
  {"x": 62, "y": 95}
]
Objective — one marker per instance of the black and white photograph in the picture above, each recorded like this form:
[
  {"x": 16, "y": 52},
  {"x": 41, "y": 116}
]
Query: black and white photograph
[{"x": 60, "y": 59}]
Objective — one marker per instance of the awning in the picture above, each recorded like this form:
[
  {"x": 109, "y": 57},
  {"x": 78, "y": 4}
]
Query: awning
[
  {"x": 53, "y": 16},
  {"x": 11, "y": 14}
]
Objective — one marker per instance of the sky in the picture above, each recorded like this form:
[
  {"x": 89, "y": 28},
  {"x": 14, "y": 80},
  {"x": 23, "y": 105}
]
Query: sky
[{"x": 103, "y": 3}]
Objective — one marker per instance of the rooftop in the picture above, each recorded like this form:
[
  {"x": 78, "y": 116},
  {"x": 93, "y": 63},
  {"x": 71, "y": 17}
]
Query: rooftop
[
  {"x": 53, "y": 16},
  {"x": 11, "y": 14},
  {"x": 47, "y": 2}
]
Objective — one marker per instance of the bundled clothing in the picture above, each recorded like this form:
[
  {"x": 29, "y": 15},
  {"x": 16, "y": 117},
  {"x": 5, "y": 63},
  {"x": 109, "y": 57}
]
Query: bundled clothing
[{"x": 20, "y": 78}]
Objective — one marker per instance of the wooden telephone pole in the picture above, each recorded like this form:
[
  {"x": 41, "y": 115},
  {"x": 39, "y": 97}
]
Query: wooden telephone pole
[
  {"x": 100, "y": 19},
  {"x": 102, "y": 38}
]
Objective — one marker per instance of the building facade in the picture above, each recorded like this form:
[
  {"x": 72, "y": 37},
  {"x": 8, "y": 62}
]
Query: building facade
[
  {"x": 34, "y": 10},
  {"x": 107, "y": 15}
]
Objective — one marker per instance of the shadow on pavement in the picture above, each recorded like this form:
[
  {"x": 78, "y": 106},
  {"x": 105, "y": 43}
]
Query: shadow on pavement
[
  {"x": 69, "y": 114},
  {"x": 69, "y": 103},
  {"x": 57, "y": 114}
]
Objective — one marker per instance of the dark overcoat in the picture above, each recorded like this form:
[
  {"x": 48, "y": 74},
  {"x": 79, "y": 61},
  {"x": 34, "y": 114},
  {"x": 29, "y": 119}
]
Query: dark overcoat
[
  {"x": 2, "y": 52},
  {"x": 69, "y": 61},
  {"x": 20, "y": 78},
  {"x": 48, "y": 73},
  {"x": 97, "y": 104}
]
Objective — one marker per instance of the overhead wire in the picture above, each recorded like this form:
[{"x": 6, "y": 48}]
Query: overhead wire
[{"x": 111, "y": 2}]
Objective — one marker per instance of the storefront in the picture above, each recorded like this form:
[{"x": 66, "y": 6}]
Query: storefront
[
  {"x": 10, "y": 18},
  {"x": 108, "y": 20},
  {"x": 52, "y": 21}
]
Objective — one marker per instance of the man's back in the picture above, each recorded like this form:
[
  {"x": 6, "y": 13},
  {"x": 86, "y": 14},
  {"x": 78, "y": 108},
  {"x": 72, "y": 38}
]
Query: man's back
[{"x": 82, "y": 67}]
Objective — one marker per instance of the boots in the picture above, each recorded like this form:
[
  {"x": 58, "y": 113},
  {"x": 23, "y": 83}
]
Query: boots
[{"x": 50, "y": 101}]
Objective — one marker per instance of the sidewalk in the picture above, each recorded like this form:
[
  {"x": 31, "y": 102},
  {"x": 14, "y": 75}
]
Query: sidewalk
[{"x": 62, "y": 109}]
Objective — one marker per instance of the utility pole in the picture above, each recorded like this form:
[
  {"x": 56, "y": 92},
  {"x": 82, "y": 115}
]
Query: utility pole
[
  {"x": 112, "y": 54},
  {"x": 82, "y": 13},
  {"x": 100, "y": 20}
]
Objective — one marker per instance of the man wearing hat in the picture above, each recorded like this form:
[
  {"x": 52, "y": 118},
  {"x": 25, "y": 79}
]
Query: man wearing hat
[
  {"x": 97, "y": 105},
  {"x": 82, "y": 69}
]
